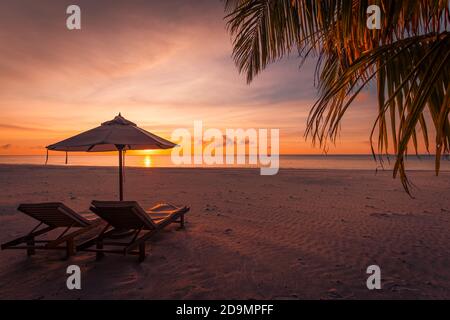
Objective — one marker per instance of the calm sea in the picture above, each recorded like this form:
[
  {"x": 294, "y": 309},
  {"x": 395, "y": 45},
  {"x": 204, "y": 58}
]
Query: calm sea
[{"x": 356, "y": 162}]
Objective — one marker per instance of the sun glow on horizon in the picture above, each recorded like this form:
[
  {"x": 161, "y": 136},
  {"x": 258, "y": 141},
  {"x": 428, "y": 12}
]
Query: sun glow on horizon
[
  {"x": 146, "y": 152},
  {"x": 148, "y": 161}
]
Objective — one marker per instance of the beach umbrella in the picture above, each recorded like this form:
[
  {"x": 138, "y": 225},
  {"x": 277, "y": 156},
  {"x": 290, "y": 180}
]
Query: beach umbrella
[{"x": 119, "y": 135}]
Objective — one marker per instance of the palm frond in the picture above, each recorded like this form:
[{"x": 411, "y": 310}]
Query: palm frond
[{"x": 407, "y": 60}]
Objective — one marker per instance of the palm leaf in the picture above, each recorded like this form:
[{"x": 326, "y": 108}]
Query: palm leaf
[{"x": 407, "y": 60}]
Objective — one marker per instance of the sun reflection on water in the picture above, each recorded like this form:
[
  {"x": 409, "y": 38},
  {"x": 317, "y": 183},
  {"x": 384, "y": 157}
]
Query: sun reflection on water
[{"x": 147, "y": 161}]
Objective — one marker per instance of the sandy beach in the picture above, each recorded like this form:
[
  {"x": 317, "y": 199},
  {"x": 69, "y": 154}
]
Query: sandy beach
[{"x": 302, "y": 234}]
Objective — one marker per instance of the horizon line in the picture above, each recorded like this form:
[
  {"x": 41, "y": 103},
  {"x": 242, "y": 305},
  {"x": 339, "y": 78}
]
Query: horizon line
[{"x": 112, "y": 153}]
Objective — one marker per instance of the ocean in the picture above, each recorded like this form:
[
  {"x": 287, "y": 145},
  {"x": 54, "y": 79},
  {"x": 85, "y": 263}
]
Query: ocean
[{"x": 343, "y": 162}]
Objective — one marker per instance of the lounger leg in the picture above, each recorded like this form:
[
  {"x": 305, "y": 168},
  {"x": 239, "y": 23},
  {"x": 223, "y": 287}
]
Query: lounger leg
[
  {"x": 99, "y": 255},
  {"x": 30, "y": 251},
  {"x": 70, "y": 249},
  {"x": 141, "y": 251}
]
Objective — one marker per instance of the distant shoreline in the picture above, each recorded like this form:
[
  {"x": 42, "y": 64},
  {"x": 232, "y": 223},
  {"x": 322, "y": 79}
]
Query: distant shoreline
[{"x": 109, "y": 154}]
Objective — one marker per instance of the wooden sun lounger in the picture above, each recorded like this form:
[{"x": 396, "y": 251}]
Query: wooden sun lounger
[
  {"x": 129, "y": 215},
  {"x": 51, "y": 216}
]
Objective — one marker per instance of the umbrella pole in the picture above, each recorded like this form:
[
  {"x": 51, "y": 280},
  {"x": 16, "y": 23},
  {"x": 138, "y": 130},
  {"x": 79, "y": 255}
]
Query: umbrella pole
[{"x": 120, "y": 148}]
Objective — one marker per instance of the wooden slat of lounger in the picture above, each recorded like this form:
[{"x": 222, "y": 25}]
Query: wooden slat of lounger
[
  {"x": 21, "y": 247},
  {"x": 172, "y": 217},
  {"x": 121, "y": 221},
  {"x": 72, "y": 235},
  {"x": 120, "y": 217},
  {"x": 54, "y": 214},
  {"x": 159, "y": 226},
  {"x": 19, "y": 240}
]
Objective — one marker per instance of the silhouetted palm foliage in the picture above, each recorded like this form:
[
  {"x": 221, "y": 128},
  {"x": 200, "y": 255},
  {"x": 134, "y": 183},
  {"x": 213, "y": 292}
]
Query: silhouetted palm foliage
[{"x": 408, "y": 60}]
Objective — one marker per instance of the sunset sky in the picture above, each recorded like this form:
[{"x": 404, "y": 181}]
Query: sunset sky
[{"x": 162, "y": 64}]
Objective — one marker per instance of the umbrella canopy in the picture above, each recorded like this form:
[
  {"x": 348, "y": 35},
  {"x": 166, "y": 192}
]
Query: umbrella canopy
[
  {"x": 110, "y": 135},
  {"x": 118, "y": 134}
]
